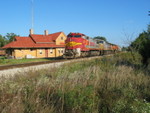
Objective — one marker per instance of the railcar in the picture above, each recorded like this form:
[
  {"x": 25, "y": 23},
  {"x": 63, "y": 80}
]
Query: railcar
[{"x": 80, "y": 45}]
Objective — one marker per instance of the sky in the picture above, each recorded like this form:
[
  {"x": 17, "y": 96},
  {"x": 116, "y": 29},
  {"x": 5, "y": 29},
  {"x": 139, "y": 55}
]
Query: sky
[{"x": 117, "y": 20}]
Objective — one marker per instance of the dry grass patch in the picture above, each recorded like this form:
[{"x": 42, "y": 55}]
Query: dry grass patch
[{"x": 110, "y": 85}]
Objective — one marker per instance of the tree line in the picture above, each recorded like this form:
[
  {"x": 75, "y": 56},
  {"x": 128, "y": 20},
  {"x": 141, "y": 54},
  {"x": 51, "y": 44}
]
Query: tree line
[
  {"x": 142, "y": 45},
  {"x": 9, "y": 37}
]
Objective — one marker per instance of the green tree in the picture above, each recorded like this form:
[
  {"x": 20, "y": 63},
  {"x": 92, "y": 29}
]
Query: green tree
[
  {"x": 3, "y": 41},
  {"x": 124, "y": 48},
  {"x": 142, "y": 45},
  {"x": 100, "y": 37},
  {"x": 7, "y": 39},
  {"x": 10, "y": 37}
]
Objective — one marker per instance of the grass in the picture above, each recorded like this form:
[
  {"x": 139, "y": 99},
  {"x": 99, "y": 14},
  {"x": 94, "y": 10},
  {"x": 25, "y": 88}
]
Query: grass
[
  {"x": 4, "y": 61},
  {"x": 2, "y": 57},
  {"x": 117, "y": 84}
]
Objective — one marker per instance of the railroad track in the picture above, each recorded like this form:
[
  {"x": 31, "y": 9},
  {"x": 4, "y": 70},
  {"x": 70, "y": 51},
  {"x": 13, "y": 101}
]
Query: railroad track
[
  {"x": 11, "y": 70},
  {"x": 12, "y": 66},
  {"x": 5, "y": 67}
]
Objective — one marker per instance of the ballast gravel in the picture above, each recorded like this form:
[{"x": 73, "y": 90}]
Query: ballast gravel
[{"x": 12, "y": 72}]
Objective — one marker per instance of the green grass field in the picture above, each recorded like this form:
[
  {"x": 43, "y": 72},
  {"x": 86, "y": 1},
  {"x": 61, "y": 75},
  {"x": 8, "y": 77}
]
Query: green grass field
[
  {"x": 117, "y": 84},
  {"x": 4, "y": 61}
]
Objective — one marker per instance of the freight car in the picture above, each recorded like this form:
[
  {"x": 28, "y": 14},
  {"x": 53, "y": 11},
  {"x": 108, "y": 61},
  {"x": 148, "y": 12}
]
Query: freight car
[{"x": 80, "y": 45}]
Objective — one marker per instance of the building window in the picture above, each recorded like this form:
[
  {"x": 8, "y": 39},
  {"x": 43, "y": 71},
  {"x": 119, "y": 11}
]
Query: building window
[
  {"x": 62, "y": 51},
  {"x": 59, "y": 51},
  {"x": 51, "y": 51},
  {"x": 62, "y": 38},
  {"x": 40, "y": 51},
  {"x": 31, "y": 49}
]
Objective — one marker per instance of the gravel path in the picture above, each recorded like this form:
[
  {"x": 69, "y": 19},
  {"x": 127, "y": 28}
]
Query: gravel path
[{"x": 12, "y": 72}]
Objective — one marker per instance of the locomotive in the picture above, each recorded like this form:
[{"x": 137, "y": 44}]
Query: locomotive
[{"x": 80, "y": 45}]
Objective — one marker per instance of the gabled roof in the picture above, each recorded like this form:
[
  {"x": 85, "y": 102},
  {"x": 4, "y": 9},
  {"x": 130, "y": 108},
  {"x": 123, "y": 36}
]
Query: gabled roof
[
  {"x": 41, "y": 39},
  {"x": 20, "y": 42},
  {"x": 45, "y": 38},
  {"x": 54, "y": 36},
  {"x": 35, "y": 41}
]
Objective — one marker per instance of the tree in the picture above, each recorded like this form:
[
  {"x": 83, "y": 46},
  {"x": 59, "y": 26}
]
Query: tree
[
  {"x": 100, "y": 37},
  {"x": 2, "y": 41},
  {"x": 124, "y": 48},
  {"x": 10, "y": 37},
  {"x": 7, "y": 39},
  {"x": 142, "y": 45}
]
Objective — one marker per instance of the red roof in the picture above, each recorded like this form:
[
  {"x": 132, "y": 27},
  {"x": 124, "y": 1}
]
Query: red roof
[
  {"x": 41, "y": 38},
  {"x": 35, "y": 41},
  {"x": 54, "y": 35}
]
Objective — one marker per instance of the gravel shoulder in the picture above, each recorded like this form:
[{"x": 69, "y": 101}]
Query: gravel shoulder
[{"x": 13, "y": 71}]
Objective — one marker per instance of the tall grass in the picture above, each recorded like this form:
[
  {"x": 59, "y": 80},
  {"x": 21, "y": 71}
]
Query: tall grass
[{"x": 115, "y": 84}]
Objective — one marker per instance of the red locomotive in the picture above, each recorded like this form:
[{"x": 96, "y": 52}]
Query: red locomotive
[{"x": 80, "y": 45}]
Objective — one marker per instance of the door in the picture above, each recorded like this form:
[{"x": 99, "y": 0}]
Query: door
[{"x": 46, "y": 53}]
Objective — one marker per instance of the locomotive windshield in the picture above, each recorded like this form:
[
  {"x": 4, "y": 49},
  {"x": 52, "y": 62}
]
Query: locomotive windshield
[
  {"x": 101, "y": 42},
  {"x": 76, "y": 36},
  {"x": 69, "y": 36}
]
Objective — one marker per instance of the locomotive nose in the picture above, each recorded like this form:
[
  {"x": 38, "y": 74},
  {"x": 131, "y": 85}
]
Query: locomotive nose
[{"x": 72, "y": 43}]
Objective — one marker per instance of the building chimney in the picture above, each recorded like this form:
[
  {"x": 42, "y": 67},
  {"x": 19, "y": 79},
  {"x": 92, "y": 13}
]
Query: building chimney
[
  {"x": 31, "y": 32},
  {"x": 46, "y": 32}
]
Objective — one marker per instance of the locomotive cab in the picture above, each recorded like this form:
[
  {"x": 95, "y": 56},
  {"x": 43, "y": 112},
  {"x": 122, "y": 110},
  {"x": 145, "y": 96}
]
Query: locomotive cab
[{"x": 73, "y": 45}]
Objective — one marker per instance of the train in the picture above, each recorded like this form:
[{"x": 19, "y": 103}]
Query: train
[{"x": 80, "y": 45}]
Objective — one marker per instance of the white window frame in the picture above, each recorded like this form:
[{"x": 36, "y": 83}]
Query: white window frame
[
  {"x": 41, "y": 51},
  {"x": 51, "y": 51}
]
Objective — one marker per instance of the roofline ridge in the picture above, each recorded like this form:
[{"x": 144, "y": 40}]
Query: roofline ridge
[
  {"x": 56, "y": 32},
  {"x": 32, "y": 38}
]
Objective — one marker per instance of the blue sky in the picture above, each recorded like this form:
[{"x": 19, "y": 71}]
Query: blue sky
[{"x": 113, "y": 19}]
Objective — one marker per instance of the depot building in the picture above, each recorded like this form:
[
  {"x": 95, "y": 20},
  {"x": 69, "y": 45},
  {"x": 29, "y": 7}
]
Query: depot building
[{"x": 37, "y": 46}]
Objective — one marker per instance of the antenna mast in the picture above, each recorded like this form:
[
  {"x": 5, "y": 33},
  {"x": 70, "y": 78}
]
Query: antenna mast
[{"x": 32, "y": 13}]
